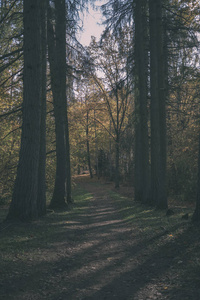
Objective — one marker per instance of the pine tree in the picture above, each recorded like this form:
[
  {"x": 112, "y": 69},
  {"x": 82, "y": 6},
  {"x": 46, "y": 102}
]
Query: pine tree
[
  {"x": 158, "y": 119},
  {"x": 196, "y": 214},
  {"x": 57, "y": 58},
  {"x": 24, "y": 205},
  {"x": 141, "y": 183}
]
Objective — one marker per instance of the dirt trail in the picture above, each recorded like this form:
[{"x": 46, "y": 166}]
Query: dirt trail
[
  {"x": 107, "y": 269},
  {"x": 99, "y": 256},
  {"x": 117, "y": 262},
  {"x": 114, "y": 266}
]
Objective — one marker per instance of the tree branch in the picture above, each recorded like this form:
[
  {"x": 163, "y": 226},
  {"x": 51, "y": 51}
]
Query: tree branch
[{"x": 11, "y": 112}]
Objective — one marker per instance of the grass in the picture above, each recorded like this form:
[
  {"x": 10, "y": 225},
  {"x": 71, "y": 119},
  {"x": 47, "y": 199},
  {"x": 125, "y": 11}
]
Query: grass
[
  {"x": 24, "y": 247},
  {"x": 170, "y": 238},
  {"x": 147, "y": 218},
  {"x": 25, "y": 241}
]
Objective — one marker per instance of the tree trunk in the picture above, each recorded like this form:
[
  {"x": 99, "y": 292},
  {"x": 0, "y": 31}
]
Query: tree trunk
[
  {"x": 25, "y": 193},
  {"x": 162, "y": 94},
  {"x": 110, "y": 154},
  {"x": 88, "y": 146},
  {"x": 117, "y": 138},
  {"x": 57, "y": 59},
  {"x": 59, "y": 194},
  {"x": 41, "y": 199},
  {"x": 155, "y": 140},
  {"x": 68, "y": 162},
  {"x": 141, "y": 128},
  {"x": 96, "y": 145},
  {"x": 196, "y": 214},
  {"x": 158, "y": 118},
  {"x": 117, "y": 161}
]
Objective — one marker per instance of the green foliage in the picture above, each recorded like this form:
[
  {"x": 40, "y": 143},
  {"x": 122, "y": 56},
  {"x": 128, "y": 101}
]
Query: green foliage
[
  {"x": 182, "y": 167},
  {"x": 10, "y": 144},
  {"x": 10, "y": 94},
  {"x": 183, "y": 130},
  {"x": 147, "y": 218}
]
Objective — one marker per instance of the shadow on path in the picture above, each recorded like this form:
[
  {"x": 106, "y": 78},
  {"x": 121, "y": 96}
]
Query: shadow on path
[{"x": 99, "y": 255}]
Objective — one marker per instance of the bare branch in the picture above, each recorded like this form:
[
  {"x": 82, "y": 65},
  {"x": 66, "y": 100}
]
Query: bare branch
[
  {"x": 10, "y": 54},
  {"x": 11, "y": 112},
  {"x": 11, "y": 132}
]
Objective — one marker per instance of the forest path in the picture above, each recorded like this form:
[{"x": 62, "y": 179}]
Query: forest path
[
  {"x": 108, "y": 260},
  {"x": 120, "y": 260},
  {"x": 98, "y": 254}
]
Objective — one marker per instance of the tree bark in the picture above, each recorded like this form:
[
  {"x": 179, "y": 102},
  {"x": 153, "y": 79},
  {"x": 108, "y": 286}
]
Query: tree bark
[
  {"x": 41, "y": 199},
  {"x": 117, "y": 160},
  {"x": 158, "y": 117},
  {"x": 162, "y": 94},
  {"x": 68, "y": 162},
  {"x": 25, "y": 193},
  {"x": 88, "y": 145},
  {"x": 155, "y": 141},
  {"x": 141, "y": 127},
  {"x": 57, "y": 59},
  {"x": 196, "y": 214}
]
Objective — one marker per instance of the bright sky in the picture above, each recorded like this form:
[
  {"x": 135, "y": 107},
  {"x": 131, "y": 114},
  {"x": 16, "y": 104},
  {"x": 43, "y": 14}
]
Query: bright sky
[{"x": 90, "y": 24}]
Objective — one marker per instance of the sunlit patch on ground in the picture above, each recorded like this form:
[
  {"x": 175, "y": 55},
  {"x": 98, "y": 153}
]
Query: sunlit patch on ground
[{"x": 106, "y": 247}]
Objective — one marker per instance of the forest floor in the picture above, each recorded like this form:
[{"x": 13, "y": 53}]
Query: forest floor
[{"x": 106, "y": 247}]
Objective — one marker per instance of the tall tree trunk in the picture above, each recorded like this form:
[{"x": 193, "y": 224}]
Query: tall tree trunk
[
  {"x": 59, "y": 194},
  {"x": 41, "y": 199},
  {"x": 96, "y": 145},
  {"x": 162, "y": 94},
  {"x": 25, "y": 193},
  {"x": 88, "y": 145},
  {"x": 155, "y": 140},
  {"x": 61, "y": 54},
  {"x": 57, "y": 59},
  {"x": 158, "y": 117},
  {"x": 117, "y": 160},
  {"x": 196, "y": 214},
  {"x": 68, "y": 162},
  {"x": 110, "y": 153},
  {"x": 141, "y": 128},
  {"x": 117, "y": 139}
]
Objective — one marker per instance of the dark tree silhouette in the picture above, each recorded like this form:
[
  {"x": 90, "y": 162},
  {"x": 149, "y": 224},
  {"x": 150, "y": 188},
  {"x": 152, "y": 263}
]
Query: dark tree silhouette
[{"x": 25, "y": 202}]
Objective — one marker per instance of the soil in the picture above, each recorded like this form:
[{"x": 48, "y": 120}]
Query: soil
[{"x": 100, "y": 255}]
